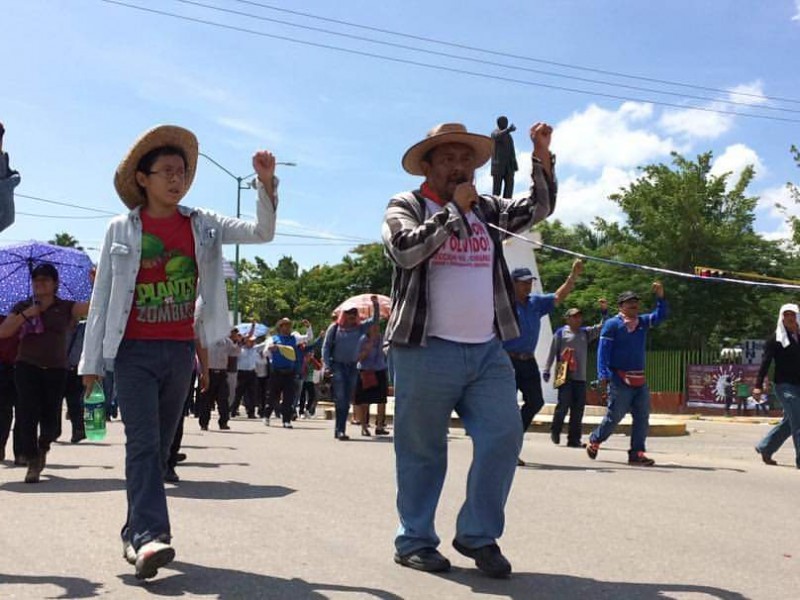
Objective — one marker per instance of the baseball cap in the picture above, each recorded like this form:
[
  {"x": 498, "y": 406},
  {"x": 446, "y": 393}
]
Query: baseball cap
[
  {"x": 522, "y": 274},
  {"x": 572, "y": 312},
  {"x": 628, "y": 295}
]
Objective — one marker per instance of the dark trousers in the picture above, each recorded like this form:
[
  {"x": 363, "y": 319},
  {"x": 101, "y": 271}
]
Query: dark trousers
[
  {"x": 529, "y": 382},
  {"x": 151, "y": 378},
  {"x": 308, "y": 398},
  {"x": 38, "y": 407},
  {"x": 217, "y": 393},
  {"x": 245, "y": 390},
  {"x": 506, "y": 181},
  {"x": 572, "y": 398},
  {"x": 282, "y": 390},
  {"x": 178, "y": 439},
  {"x": 73, "y": 392},
  {"x": 8, "y": 398},
  {"x": 262, "y": 391}
]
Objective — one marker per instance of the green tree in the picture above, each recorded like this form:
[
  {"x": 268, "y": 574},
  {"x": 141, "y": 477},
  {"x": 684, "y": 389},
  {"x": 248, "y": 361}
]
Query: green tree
[
  {"x": 65, "y": 240},
  {"x": 679, "y": 216}
]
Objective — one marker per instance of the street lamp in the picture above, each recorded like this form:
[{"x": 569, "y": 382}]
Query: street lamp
[{"x": 239, "y": 188}]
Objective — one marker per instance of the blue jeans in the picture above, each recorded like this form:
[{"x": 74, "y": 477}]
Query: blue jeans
[
  {"x": 344, "y": 388},
  {"x": 477, "y": 381},
  {"x": 622, "y": 399},
  {"x": 151, "y": 379},
  {"x": 789, "y": 426}
]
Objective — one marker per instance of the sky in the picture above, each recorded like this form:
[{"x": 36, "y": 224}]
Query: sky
[{"x": 82, "y": 79}]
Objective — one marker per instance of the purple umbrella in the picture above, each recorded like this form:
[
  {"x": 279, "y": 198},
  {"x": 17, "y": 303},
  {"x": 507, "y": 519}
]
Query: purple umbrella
[{"x": 18, "y": 260}]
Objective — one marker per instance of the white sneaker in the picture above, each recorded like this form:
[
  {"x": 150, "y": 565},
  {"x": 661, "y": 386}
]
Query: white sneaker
[
  {"x": 128, "y": 553},
  {"x": 151, "y": 557},
  {"x": 266, "y": 421}
]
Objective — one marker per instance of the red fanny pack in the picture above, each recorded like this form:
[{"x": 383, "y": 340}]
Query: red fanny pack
[{"x": 632, "y": 378}]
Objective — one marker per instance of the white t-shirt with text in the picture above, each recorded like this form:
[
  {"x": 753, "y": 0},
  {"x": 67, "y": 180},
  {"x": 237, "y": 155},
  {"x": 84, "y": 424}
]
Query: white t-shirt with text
[{"x": 461, "y": 294}]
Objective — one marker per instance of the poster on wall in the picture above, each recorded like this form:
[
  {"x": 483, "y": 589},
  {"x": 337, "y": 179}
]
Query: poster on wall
[{"x": 708, "y": 385}]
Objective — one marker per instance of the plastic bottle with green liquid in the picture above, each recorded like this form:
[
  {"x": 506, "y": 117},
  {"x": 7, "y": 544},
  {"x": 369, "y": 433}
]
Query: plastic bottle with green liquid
[{"x": 94, "y": 414}]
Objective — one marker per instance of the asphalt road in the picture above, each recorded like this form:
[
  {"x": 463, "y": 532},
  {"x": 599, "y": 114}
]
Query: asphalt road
[{"x": 272, "y": 513}]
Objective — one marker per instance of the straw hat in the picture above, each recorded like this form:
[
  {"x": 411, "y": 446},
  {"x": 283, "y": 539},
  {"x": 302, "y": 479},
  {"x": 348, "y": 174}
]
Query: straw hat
[
  {"x": 163, "y": 135},
  {"x": 447, "y": 133}
]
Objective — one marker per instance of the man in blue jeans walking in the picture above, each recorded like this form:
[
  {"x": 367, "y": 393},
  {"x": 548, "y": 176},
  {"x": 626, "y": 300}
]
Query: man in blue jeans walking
[
  {"x": 620, "y": 367},
  {"x": 452, "y": 306},
  {"x": 784, "y": 348}
]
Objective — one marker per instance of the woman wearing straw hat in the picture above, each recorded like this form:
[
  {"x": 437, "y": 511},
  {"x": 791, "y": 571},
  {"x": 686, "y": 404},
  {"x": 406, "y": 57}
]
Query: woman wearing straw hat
[{"x": 159, "y": 287}]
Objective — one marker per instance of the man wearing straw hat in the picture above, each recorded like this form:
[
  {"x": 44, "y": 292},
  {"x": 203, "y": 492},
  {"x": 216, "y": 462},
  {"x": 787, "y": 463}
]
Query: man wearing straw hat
[
  {"x": 452, "y": 305},
  {"x": 160, "y": 286}
]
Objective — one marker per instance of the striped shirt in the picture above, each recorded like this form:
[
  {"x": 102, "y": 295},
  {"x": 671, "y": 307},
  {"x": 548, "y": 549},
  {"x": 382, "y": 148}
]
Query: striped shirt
[{"x": 411, "y": 238}]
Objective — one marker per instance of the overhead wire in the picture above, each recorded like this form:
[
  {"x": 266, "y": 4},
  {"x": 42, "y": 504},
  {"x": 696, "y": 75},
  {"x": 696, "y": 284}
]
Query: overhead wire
[
  {"x": 482, "y": 61},
  {"x": 431, "y": 40},
  {"x": 334, "y": 239},
  {"x": 630, "y": 265},
  {"x": 443, "y": 68},
  {"x": 78, "y": 206}
]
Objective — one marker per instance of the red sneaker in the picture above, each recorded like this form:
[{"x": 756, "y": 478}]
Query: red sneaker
[{"x": 592, "y": 449}]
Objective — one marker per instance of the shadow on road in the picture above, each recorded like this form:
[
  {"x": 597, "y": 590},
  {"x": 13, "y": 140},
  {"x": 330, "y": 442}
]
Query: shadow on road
[
  {"x": 529, "y": 466},
  {"x": 74, "y": 587},
  {"x": 545, "y": 586},
  {"x": 199, "y": 490},
  {"x": 203, "y": 465},
  {"x": 226, "y": 490},
  {"x": 194, "y": 581}
]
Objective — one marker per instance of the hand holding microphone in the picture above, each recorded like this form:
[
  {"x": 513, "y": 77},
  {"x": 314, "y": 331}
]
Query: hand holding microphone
[{"x": 465, "y": 195}]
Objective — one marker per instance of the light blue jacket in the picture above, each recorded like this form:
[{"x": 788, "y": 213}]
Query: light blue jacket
[{"x": 120, "y": 257}]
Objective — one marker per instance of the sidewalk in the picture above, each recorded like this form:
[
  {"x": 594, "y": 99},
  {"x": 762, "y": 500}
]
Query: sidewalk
[{"x": 660, "y": 425}]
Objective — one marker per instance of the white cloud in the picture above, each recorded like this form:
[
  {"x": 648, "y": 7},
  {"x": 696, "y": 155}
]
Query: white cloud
[
  {"x": 796, "y": 16},
  {"x": 734, "y": 160},
  {"x": 581, "y": 200},
  {"x": 706, "y": 124},
  {"x": 775, "y": 204},
  {"x": 249, "y": 128},
  {"x": 597, "y": 138},
  {"x": 697, "y": 124},
  {"x": 748, "y": 93}
]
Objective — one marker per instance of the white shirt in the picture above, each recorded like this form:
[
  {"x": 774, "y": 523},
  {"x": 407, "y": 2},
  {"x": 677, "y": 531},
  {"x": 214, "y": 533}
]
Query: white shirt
[{"x": 460, "y": 289}]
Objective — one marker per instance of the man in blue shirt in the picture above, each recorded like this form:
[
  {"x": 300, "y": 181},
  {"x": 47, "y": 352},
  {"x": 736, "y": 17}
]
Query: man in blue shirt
[
  {"x": 620, "y": 366},
  {"x": 530, "y": 309}
]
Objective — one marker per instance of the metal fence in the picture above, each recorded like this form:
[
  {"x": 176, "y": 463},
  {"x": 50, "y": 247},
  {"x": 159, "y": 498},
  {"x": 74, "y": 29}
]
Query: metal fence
[{"x": 665, "y": 369}]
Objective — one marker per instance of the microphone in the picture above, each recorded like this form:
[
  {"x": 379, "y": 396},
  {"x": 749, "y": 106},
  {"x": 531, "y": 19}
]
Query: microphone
[{"x": 467, "y": 226}]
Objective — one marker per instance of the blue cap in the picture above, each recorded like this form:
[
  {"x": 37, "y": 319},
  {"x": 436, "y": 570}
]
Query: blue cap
[{"x": 522, "y": 274}]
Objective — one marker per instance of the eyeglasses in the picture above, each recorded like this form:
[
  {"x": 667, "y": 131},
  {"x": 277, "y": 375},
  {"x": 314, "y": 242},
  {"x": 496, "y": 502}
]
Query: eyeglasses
[{"x": 169, "y": 174}]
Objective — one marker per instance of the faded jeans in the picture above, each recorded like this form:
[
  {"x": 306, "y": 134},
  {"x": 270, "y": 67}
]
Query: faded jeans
[
  {"x": 789, "y": 426},
  {"x": 622, "y": 399},
  {"x": 477, "y": 381}
]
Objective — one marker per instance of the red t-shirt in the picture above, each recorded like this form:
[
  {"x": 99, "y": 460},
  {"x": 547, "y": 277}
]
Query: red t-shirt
[{"x": 166, "y": 286}]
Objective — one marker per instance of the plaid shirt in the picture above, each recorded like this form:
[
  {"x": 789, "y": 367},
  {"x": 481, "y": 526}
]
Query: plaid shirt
[{"x": 411, "y": 240}]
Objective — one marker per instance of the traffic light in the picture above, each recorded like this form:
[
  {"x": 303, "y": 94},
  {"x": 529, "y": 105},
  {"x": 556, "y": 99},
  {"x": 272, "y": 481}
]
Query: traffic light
[{"x": 709, "y": 272}]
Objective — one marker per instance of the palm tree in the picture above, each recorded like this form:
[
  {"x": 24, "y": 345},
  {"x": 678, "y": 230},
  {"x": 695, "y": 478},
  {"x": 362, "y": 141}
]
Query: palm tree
[{"x": 65, "y": 240}]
